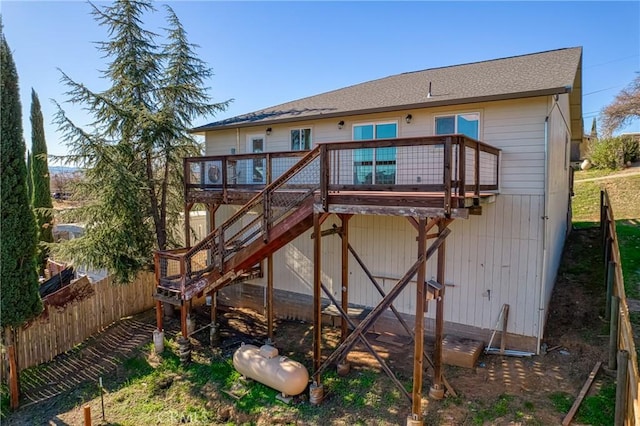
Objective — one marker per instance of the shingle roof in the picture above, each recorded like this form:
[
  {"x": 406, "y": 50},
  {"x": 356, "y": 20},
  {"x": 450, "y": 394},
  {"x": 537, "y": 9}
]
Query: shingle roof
[{"x": 534, "y": 74}]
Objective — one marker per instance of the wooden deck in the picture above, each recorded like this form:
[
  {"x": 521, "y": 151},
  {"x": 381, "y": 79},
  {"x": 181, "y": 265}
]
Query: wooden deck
[{"x": 445, "y": 177}]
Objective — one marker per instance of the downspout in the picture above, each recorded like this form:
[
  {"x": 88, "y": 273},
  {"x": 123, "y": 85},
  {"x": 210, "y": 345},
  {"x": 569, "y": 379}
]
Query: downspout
[
  {"x": 237, "y": 140},
  {"x": 545, "y": 218}
]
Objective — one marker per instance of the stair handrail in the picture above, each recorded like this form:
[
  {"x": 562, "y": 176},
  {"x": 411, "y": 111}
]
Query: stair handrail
[{"x": 216, "y": 238}]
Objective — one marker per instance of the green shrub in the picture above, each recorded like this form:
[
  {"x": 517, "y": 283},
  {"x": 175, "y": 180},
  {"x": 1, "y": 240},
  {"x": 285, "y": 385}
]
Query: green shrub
[{"x": 613, "y": 153}]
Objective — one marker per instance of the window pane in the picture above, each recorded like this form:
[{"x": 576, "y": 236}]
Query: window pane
[
  {"x": 386, "y": 154},
  {"x": 362, "y": 166},
  {"x": 295, "y": 140},
  {"x": 257, "y": 144},
  {"x": 386, "y": 131},
  {"x": 386, "y": 165},
  {"x": 445, "y": 125},
  {"x": 363, "y": 132},
  {"x": 363, "y": 155},
  {"x": 385, "y": 174},
  {"x": 306, "y": 139},
  {"x": 468, "y": 125}
]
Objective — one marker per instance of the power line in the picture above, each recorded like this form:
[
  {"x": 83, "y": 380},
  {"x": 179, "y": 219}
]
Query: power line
[
  {"x": 613, "y": 60},
  {"x": 602, "y": 90}
]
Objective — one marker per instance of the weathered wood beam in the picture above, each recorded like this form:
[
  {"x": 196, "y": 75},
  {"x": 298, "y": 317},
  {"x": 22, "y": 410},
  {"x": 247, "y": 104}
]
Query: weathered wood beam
[
  {"x": 270, "y": 297},
  {"x": 183, "y": 319},
  {"x": 159, "y": 324},
  {"x": 344, "y": 265},
  {"x": 447, "y": 176},
  {"x": 327, "y": 232},
  {"x": 187, "y": 224},
  {"x": 396, "y": 210},
  {"x": 418, "y": 346},
  {"x": 317, "y": 302},
  {"x": 436, "y": 389}
]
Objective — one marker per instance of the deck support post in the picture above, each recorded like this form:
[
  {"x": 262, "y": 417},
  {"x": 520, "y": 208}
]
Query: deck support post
[
  {"x": 343, "y": 365},
  {"x": 214, "y": 327},
  {"x": 418, "y": 347},
  {"x": 184, "y": 345},
  {"x": 270, "y": 299},
  {"x": 158, "y": 333},
  {"x": 187, "y": 224},
  {"x": 437, "y": 389},
  {"x": 211, "y": 210},
  {"x": 316, "y": 392},
  {"x": 183, "y": 319}
]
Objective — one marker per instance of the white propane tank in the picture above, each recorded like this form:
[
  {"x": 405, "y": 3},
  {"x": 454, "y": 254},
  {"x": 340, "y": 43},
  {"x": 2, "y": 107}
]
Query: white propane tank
[{"x": 264, "y": 365}]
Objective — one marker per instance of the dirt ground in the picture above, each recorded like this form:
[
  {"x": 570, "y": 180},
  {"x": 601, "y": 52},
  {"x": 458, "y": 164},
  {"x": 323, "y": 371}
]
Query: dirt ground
[{"x": 576, "y": 336}]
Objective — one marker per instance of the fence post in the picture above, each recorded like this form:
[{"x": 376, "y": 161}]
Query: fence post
[
  {"x": 608, "y": 241},
  {"x": 602, "y": 213},
  {"x": 610, "y": 277},
  {"x": 14, "y": 389},
  {"x": 613, "y": 331},
  {"x": 87, "y": 415},
  {"x": 621, "y": 387}
]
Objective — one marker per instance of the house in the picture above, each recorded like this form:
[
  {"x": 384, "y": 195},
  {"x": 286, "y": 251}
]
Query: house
[{"x": 475, "y": 155}]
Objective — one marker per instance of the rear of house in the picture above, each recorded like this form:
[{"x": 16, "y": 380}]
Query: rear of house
[{"x": 506, "y": 252}]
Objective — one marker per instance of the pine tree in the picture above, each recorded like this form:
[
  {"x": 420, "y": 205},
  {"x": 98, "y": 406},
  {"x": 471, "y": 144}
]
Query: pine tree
[
  {"x": 20, "y": 299},
  {"x": 594, "y": 129},
  {"x": 29, "y": 177},
  {"x": 133, "y": 155},
  {"x": 41, "y": 197}
]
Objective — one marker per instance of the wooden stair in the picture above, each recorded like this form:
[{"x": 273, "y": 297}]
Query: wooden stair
[{"x": 280, "y": 235}]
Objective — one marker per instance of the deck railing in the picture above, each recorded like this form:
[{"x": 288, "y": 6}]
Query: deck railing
[
  {"x": 178, "y": 269},
  {"x": 242, "y": 172},
  {"x": 450, "y": 167},
  {"x": 425, "y": 164}
]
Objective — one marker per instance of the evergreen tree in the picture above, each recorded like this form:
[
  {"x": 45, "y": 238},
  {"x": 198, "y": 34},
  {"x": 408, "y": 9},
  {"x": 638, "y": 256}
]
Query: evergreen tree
[
  {"x": 20, "y": 299},
  {"x": 132, "y": 157},
  {"x": 41, "y": 197},
  {"x": 594, "y": 129},
  {"x": 29, "y": 177}
]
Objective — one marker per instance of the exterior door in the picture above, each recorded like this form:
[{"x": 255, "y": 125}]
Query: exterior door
[{"x": 256, "y": 173}]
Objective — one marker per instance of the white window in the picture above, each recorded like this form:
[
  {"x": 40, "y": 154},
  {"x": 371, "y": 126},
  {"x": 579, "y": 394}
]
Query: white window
[
  {"x": 465, "y": 124},
  {"x": 300, "y": 139}
]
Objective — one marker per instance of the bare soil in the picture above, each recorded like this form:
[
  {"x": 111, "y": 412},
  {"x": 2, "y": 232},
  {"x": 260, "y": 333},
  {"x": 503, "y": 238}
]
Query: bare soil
[{"x": 576, "y": 338}]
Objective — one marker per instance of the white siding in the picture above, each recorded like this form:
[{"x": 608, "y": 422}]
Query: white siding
[
  {"x": 558, "y": 198},
  {"x": 515, "y": 126},
  {"x": 491, "y": 259}
]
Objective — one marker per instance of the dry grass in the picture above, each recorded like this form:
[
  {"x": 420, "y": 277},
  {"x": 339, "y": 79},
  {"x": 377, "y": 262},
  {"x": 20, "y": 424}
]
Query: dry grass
[{"x": 624, "y": 193}]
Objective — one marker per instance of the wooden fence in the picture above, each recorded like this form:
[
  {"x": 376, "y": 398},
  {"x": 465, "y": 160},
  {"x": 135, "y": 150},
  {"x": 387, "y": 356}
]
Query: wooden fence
[
  {"x": 68, "y": 321},
  {"x": 622, "y": 345}
]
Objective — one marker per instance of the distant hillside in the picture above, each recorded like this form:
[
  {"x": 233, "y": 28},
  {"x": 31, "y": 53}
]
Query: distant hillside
[{"x": 61, "y": 170}]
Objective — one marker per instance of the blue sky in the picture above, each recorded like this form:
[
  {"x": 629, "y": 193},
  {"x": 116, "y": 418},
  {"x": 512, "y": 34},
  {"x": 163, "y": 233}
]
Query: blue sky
[{"x": 267, "y": 53}]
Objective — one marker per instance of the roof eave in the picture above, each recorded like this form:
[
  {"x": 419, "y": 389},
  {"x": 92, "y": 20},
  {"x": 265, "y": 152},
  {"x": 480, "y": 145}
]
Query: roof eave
[{"x": 430, "y": 104}]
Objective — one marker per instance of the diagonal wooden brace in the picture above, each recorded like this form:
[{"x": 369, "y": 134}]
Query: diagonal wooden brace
[
  {"x": 364, "y": 340},
  {"x": 384, "y": 304}
]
